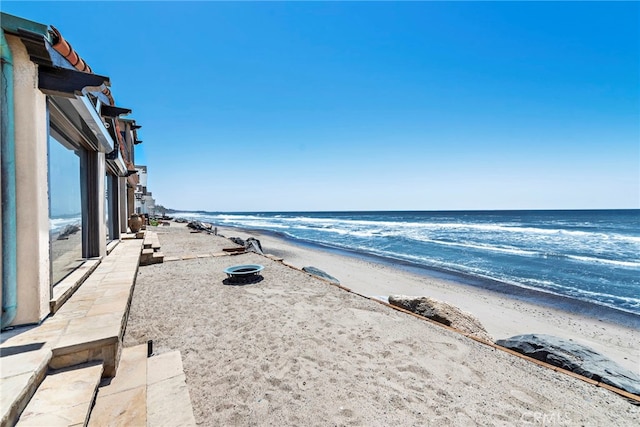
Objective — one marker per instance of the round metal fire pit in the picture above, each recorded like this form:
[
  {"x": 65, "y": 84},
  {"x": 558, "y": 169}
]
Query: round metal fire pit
[{"x": 243, "y": 271}]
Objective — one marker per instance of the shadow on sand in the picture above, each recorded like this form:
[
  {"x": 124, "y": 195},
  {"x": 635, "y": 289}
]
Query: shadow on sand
[{"x": 243, "y": 280}]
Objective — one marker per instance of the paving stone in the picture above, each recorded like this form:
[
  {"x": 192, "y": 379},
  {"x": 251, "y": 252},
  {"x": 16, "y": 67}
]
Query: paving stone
[
  {"x": 168, "y": 401},
  {"x": 17, "y": 360},
  {"x": 125, "y": 408},
  {"x": 132, "y": 371},
  {"x": 65, "y": 289},
  {"x": 89, "y": 324},
  {"x": 63, "y": 398},
  {"x": 169, "y": 404},
  {"x": 35, "y": 336},
  {"x": 114, "y": 292},
  {"x": 22, "y": 368},
  {"x": 118, "y": 304},
  {"x": 15, "y": 391},
  {"x": 164, "y": 366}
]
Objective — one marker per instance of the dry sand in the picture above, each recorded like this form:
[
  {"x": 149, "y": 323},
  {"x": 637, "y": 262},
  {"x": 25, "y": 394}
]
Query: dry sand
[
  {"x": 66, "y": 255},
  {"x": 294, "y": 350},
  {"x": 503, "y": 317}
]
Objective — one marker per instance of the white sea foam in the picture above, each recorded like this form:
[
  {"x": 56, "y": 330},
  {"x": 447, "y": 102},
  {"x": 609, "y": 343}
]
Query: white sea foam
[
  {"x": 389, "y": 226},
  {"x": 577, "y": 255},
  {"x": 626, "y": 264},
  {"x": 582, "y": 242},
  {"x": 58, "y": 224}
]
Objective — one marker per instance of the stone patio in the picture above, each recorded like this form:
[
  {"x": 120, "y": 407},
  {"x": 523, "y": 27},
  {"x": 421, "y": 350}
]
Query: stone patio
[{"x": 64, "y": 358}]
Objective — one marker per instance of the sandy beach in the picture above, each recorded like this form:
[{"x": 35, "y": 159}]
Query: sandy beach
[
  {"x": 502, "y": 316},
  {"x": 292, "y": 349}
]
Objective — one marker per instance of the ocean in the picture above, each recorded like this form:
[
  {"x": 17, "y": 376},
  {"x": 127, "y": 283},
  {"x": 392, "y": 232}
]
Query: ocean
[
  {"x": 58, "y": 223},
  {"x": 590, "y": 256}
]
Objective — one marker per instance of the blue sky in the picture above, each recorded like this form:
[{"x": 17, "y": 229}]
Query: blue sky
[{"x": 284, "y": 106}]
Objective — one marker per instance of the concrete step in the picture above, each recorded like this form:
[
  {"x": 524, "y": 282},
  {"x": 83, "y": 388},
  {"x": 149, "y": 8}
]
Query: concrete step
[
  {"x": 122, "y": 400},
  {"x": 168, "y": 401},
  {"x": 64, "y": 398}
]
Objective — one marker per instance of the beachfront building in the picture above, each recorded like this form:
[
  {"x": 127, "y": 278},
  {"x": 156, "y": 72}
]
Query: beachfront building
[
  {"x": 69, "y": 264},
  {"x": 68, "y": 175},
  {"x": 144, "y": 201}
]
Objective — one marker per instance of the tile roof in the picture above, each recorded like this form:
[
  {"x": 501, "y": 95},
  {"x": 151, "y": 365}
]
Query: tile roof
[{"x": 62, "y": 46}]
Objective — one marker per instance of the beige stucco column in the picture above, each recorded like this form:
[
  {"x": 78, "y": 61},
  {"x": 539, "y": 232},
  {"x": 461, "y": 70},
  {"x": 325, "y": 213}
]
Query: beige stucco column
[{"x": 31, "y": 136}]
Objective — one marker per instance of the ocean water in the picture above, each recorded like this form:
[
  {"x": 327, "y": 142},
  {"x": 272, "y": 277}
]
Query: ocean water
[
  {"x": 591, "y": 256},
  {"x": 59, "y": 223}
]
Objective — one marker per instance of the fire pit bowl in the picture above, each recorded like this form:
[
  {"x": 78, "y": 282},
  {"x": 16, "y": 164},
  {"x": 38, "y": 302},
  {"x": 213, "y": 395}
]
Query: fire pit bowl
[{"x": 241, "y": 271}]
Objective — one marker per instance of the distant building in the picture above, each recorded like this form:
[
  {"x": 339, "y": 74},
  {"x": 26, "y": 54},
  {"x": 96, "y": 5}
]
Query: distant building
[
  {"x": 145, "y": 203},
  {"x": 67, "y": 159}
]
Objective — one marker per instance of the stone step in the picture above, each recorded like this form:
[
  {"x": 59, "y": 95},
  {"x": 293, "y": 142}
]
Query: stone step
[
  {"x": 94, "y": 319},
  {"x": 148, "y": 258},
  {"x": 151, "y": 241},
  {"x": 149, "y": 244},
  {"x": 89, "y": 327},
  {"x": 168, "y": 401},
  {"x": 64, "y": 398},
  {"x": 122, "y": 400},
  {"x": 23, "y": 369}
]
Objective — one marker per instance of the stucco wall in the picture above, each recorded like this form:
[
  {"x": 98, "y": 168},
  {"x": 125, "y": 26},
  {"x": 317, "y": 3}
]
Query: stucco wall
[{"x": 31, "y": 133}]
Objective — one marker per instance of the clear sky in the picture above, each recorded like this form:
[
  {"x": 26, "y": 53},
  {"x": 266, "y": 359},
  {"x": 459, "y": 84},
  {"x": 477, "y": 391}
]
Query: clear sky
[{"x": 283, "y": 106}]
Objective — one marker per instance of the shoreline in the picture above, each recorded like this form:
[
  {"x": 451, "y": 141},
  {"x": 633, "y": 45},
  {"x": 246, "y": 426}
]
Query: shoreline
[
  {"x": 609, "y": 331},
  {"x": 522, "y": 293}
]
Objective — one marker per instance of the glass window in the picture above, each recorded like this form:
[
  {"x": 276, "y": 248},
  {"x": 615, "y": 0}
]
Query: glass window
[{"x": 65, "y": 209}]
